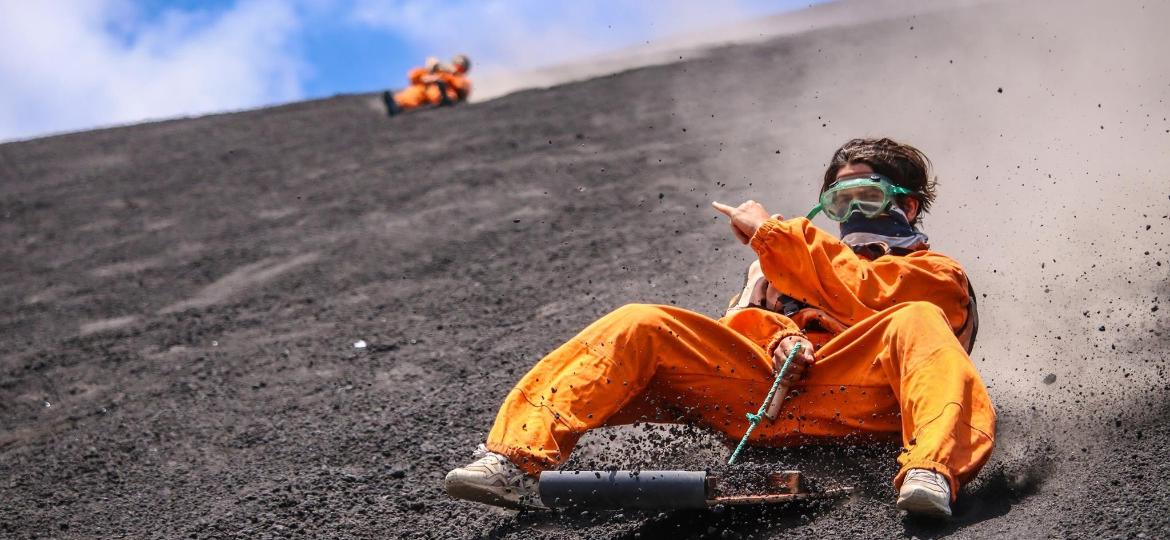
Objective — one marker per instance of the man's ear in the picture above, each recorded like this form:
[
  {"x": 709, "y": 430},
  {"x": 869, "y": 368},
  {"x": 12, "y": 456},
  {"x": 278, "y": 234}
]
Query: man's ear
[{"x": 910, "y": 207}]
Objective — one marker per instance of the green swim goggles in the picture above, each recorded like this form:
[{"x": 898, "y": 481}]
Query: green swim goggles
[{"x": 870, "y": 194}]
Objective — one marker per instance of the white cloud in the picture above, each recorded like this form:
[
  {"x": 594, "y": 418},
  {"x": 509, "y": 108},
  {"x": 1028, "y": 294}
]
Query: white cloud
[{"x": 73, "y": 65}]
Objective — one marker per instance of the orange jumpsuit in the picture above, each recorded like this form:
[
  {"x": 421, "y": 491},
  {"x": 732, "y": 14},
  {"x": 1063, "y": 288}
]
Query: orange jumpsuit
[
  {"x": 893, "y": 365},
  {"x": 420, "y": 92}
]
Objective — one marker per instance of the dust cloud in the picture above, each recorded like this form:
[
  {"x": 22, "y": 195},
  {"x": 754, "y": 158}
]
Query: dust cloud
[{"x": 494, "y": 80}]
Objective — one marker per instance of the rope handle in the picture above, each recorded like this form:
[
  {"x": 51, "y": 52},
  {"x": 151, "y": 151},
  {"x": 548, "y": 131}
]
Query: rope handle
[{"x": 754, "y": 419}]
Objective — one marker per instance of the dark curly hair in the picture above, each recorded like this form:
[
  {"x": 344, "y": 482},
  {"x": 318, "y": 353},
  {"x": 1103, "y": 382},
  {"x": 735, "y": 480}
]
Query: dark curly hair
[{"x": 905, "y": 165}]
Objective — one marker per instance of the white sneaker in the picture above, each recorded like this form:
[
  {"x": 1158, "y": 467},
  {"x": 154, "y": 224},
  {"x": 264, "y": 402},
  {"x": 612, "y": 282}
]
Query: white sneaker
[
  {"x": 493, "y": 479},
  {"x": 925, "y": 493}
]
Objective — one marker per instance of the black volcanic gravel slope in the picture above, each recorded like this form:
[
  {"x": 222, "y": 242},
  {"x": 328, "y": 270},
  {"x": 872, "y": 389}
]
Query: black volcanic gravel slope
[{"x": 183, "y": 298}]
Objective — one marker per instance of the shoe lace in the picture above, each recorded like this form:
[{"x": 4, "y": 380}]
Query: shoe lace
[
  {"x": 514, "y": 477},
  {"x": 512, "y": 473},
  {"x": 930, "y": 477},
  {"x": 480, "y": 451}
]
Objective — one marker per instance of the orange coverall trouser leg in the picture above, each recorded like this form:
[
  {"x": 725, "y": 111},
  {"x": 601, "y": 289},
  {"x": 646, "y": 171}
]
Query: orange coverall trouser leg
[
  {"x": 899, "y": 371},
  {"x": 418, "y": 95}
]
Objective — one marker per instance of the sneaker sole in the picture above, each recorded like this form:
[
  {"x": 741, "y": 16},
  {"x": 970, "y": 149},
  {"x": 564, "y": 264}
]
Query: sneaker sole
[
  {"x": 922, "y": 503},
  {"x": 480, "y": 494}
]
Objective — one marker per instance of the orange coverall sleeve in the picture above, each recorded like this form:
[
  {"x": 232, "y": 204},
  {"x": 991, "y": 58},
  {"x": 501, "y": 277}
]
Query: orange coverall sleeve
[{"x": 818, "y": 269}]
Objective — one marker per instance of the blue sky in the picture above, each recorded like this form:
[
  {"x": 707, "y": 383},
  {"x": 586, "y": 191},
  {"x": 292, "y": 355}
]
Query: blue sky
[{"x": 68, "y": 65}]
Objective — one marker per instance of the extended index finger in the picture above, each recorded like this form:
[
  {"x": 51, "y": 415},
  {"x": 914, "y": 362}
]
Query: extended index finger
[{"x": 723, "y": 208}]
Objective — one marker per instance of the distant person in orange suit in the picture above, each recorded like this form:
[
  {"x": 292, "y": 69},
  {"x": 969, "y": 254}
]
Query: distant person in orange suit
[
  {"x": 883, "y": 324},
  {"x": 436, "y": 84}
]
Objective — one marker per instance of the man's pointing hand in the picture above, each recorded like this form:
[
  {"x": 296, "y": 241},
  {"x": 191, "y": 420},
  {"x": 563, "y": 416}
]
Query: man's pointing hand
[{"x": 745, "y": 218}]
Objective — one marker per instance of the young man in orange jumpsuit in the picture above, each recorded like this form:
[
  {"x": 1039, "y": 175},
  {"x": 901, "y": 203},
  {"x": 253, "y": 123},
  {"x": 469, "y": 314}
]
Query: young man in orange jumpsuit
[
  {"x": 884, "y": 325},
  {"x": 434, "y": 84}
]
